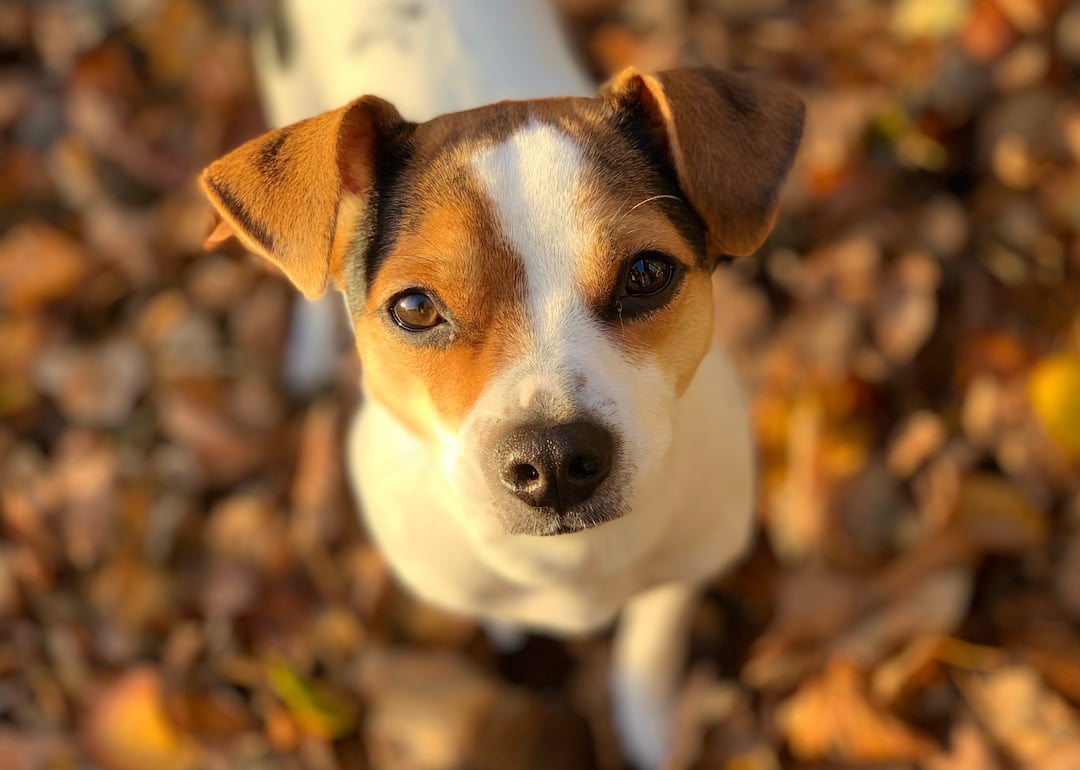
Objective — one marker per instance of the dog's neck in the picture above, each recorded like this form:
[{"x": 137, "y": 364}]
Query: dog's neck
[{"x": 444, "y": 56}]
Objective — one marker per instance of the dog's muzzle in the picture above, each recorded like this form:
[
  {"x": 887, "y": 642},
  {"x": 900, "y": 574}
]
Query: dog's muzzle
[{"x": 554, "y": 469}]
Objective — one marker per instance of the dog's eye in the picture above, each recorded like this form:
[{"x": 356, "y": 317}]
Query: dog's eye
[
  {"x": 649, "y": 274},
  {"x": 415, "y": 312},
  {"x": 648, "y": 280}
]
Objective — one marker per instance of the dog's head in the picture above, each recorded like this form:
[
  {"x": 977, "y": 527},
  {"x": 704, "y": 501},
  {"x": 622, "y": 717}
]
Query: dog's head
[{"x": 529, "y": 282}]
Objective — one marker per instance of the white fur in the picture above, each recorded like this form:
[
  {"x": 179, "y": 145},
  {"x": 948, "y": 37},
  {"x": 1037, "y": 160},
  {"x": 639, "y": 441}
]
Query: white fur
[{"x": 428, "y": 57}]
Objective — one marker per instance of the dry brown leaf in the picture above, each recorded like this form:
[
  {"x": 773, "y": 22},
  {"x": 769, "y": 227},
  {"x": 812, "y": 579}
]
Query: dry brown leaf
[
  {"x": 23, "y": 750},
  {"x": 987, "y": 32},
  {"x": 227, "y": 452},
  {"x": 96, "y": 384},
  {"x": 907, "y": 671},
  {"x": 968, "y": 750},
  {"x": 935, "y": 603},
  {"x": 436, "y": 711},
  {"x": 920, "y": 437},
  {"x": 1067, "y": 579},
  {"x": 993, "y": 516},
  {"x": 317, "y": 485},
  {"x": 1024, "y": 716},
  {"x": 127, "y": 727},
  {"x": 832, "y": 718},
  {"x": 248, "y": 529},
  {"x": 38, "y": 264},
  {"x": 215, "y": 715},
  {"x": 21, "y": 339},
  {"x": 1066, "y": 757},
  {"x": 907, "y": 307},
  {"x": 797, "y": 522}
]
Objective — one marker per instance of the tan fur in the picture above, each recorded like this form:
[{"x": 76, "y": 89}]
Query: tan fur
[
  {"x": 282, "y": 193},
  {"x": 456, "y": 252}
]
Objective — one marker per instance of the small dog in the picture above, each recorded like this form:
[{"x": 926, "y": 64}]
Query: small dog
[{"x": 549, "y": 433}]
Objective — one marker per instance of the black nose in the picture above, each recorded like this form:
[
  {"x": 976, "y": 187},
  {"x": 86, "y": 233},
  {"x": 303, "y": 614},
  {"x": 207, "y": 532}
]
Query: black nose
[{"x": 555, "y": 466}]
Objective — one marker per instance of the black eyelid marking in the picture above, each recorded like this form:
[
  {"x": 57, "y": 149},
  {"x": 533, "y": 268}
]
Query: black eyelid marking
[{"x": 625, "y": 307}]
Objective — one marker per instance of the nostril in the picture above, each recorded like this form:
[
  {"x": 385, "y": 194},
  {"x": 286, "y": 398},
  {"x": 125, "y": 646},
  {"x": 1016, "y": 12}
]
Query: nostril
[
  {"x": 554, "y": 466},
  {"x": 522, "y": 474}
]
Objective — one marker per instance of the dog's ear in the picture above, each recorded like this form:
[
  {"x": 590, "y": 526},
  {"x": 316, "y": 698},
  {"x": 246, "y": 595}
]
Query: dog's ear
[
  {"x": 729, "y": 138},
  {"x": 296, "y": 195}
]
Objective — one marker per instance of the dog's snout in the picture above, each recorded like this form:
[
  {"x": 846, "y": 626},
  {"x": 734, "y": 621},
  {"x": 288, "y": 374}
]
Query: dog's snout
[{"x": 555, "y": 466}]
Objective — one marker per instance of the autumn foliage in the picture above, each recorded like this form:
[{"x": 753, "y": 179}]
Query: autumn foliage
[{"x": 183, "y": 582}]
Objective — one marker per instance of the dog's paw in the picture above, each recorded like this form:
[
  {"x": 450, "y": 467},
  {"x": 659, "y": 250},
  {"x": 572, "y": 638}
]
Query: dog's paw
[{"x": 644, "y": 719}]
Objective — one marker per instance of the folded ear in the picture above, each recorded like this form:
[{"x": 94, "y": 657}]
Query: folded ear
[
  {"x": 296, "y": 195},
  {"x": 730, "y": 140}
]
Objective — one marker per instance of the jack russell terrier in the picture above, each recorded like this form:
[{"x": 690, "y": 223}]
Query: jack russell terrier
[{"x": 549, "y": 434}]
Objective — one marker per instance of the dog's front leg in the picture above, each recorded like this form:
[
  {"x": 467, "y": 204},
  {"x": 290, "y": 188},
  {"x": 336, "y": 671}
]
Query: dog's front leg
[{"x": 650, "y": 649}]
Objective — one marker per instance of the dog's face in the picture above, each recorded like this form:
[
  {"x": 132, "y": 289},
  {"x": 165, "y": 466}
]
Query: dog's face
[{"x": 529, "y": 282}]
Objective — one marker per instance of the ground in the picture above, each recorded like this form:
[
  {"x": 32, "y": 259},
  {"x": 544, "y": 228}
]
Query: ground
[{"x": 183, "y": 583}]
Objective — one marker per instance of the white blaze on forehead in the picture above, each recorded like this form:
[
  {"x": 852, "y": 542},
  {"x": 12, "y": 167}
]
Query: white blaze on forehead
[{"x": 534, "y": 181}]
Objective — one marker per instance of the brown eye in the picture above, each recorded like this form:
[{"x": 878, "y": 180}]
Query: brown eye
[
  {"x": 648, "y": 275},
  {"x": 415, "y": 312}
]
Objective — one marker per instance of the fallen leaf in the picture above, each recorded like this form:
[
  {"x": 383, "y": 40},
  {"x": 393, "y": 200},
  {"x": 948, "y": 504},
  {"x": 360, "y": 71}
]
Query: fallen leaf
[
  {"x": 832, "y": 718},
  {"x": 1024, "y": 716},
  {"x": 95, "y": 384},
  {"x": 1054, "y": 389},
  {"x": 994, "y": 516},
  {"x": 127, "y": 727},
  {"x": 38, "y": 264},
  {"x": 968, "y": 750},
  {"x": 316, "y": 710},
  {"x": 928, "y": 18}
]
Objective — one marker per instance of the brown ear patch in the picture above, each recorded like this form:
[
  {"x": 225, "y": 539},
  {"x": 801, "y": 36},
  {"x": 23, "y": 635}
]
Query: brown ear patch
[
  {"x": 730, "y": 139},
  {"x": 283, "y": 193}
]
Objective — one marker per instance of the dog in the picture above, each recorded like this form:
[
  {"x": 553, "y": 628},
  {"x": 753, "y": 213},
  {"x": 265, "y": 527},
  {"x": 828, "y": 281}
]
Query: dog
[{"x": 549, "y": 435}]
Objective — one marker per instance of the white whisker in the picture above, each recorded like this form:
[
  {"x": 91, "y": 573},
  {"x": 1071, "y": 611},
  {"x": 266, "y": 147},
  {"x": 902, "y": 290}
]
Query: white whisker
[{"x": 654, "y": 198}]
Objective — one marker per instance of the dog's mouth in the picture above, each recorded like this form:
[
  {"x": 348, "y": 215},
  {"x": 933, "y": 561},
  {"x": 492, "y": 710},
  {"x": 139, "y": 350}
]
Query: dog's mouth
[{"x": 549, "y": 522}]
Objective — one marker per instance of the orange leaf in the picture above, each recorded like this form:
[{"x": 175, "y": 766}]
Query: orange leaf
[
  {"x": 128, "y": 728},
  {"x": 831, "y": 718}
]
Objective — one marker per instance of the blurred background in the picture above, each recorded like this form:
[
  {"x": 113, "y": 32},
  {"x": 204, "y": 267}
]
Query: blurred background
[{"x": 184, "y": 584}]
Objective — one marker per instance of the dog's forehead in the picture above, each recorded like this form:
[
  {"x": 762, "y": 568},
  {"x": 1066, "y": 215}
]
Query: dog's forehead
[
  {"x": 478, "y": 159},
  {"x": 578, "y": 116}
]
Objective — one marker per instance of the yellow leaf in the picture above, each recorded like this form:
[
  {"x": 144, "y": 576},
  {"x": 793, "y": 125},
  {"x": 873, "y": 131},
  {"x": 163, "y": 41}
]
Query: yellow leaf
[
  {"x": 1054, "y": 389},
  {"x": 918, "y": 19},
  {"x": 316, "y": 710}
]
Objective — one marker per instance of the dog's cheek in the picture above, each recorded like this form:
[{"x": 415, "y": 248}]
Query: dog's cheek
[
  {"x": 397, "y": 381},
  {"x": 678, "y": 337},
  {"x": 430, "y": 390}
]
